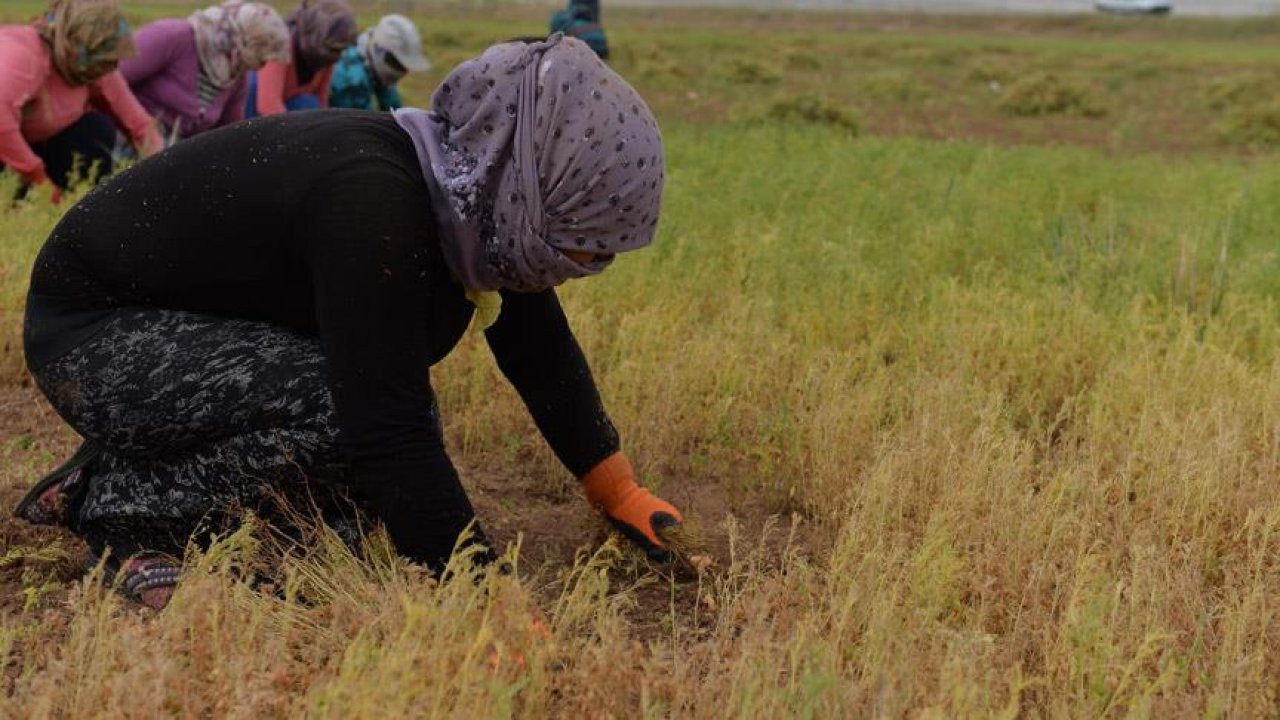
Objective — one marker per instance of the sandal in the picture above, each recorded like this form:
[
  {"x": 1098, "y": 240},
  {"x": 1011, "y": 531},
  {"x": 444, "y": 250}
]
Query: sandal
[
  {"x": 145, "y": 578},
  {"x": 47, "y": 503}
]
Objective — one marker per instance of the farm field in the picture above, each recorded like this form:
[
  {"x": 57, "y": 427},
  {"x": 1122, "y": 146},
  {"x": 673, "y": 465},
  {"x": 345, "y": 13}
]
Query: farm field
[{"x": 959, "y": 346}]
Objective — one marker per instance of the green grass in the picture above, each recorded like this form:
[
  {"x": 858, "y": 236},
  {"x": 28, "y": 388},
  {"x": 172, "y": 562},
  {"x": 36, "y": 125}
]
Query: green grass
[{"x": 1024, "y": 399}]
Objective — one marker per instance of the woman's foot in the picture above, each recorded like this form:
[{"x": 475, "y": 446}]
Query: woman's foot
[
  {"x": 48, "y": 504},
  {"x": 147, "y": 578},
  {"x": 150, "y": 580},
  {"x": 53, "y": 499}
]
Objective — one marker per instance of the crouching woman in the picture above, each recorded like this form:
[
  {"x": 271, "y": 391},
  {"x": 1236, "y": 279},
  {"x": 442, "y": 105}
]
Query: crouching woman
[
  {"x": 61, "y": 97},
  {"x": 254, "y": 311}
]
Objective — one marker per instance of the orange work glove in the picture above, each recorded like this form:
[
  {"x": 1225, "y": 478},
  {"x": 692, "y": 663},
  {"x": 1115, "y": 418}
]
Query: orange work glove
[{"x": 632, "y": 509}]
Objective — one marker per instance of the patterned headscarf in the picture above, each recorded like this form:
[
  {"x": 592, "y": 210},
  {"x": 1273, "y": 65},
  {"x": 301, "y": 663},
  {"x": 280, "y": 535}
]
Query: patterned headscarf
[
  {"x": 531, "y": 150},
  {"x": 86, "y": 38},
  {"x": 236, "y": 37},
  {"x": 321, "y": 30}
]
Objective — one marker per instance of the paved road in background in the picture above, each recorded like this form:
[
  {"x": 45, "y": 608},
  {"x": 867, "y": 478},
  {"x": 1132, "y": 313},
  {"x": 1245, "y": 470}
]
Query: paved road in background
[{"x": 1220, "y": 8}]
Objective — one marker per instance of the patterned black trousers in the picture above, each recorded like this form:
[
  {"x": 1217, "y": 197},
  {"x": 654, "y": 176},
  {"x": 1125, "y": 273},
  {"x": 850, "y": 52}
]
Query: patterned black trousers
[{"x": 199, "y": 418}]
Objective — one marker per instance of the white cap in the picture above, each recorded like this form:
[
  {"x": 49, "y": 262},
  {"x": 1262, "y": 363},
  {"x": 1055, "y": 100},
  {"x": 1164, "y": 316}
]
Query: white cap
[{"x": 397, "y": 36}]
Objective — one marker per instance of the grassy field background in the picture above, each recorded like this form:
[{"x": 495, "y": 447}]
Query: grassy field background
[{"x": 959, "y": 343}]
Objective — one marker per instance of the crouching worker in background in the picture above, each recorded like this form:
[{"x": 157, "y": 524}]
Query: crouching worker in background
[
  {"x": 581, "y": 19},
  {"x": 319, "y": 31},
  {"x": 242, "y": 316},
  {"x": 366, "y": 75},
  {"x": 192, "y": 74},
  {"x": 52, "y": 74}
]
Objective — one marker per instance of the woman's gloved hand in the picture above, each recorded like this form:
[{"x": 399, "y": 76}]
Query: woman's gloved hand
[{"x": 633, "y": 510}]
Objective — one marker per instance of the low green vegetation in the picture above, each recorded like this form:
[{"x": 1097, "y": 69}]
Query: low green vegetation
[
  {"x": 813, "y": 110},
  {"x": 1043, "y": 93}
]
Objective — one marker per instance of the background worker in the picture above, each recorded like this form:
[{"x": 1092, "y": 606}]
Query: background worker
[
  {"x": 192, "y": 74},
  {"x": 61, "y": 96},
  {"x": 365, "y": 76},
  {"x": 581, "y": 19},
  {"x": 319, "y": 31},
  {"x": 270, "y": 327}
]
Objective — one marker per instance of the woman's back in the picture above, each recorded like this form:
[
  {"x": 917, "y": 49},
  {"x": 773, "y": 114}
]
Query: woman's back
[
  {"x": 164, "y": 76},
  {"x": 228, "y": 223}
]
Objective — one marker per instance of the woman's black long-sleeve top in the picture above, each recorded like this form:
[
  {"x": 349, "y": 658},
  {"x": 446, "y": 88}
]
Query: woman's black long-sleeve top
[{"x": 320, "y": 222}]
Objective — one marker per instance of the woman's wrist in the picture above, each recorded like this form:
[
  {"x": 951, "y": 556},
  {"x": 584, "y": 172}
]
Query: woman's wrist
[
  {"x": 610, "y": 481},
  {"x": 632, "y": 509}
]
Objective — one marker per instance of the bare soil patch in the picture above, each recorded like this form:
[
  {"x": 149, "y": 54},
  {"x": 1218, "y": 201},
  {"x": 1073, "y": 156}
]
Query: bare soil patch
[{"x": 32, "y": 440}]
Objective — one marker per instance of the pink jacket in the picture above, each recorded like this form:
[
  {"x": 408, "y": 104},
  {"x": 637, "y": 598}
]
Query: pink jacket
[
  {"x": 36, "y": 103},
  {"x": 278, "y": 82}
]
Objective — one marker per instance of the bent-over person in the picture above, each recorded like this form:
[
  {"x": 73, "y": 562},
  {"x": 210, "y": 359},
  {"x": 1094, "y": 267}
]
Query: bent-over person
[{"x": 254, "y": 310}]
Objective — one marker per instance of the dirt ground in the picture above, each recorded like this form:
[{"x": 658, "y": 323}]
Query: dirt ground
[{"x": 553, "y": 525}]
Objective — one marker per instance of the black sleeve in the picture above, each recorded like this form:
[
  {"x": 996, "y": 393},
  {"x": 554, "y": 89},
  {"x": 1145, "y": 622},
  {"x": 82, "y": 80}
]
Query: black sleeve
[
  {"x": 536, "y": 350},
  {"x": 372, "y": 283}
]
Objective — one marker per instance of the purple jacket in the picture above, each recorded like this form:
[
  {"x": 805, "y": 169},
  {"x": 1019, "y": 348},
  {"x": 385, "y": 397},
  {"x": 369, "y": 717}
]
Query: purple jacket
[{"x": 163, "y": 77}]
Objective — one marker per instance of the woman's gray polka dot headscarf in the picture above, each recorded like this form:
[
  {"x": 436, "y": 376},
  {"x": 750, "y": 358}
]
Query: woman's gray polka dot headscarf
[{"x": 532, "y": 149}]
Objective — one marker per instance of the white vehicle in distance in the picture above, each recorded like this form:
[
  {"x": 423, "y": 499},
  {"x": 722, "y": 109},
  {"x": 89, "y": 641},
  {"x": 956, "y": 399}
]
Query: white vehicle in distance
[{"x": 1135, "y": 7}]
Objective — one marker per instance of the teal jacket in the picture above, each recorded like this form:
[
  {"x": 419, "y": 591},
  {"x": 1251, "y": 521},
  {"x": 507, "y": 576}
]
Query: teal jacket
[
  {"x": 354, "y": 86},
  {"x": 577, "y": 21}
]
